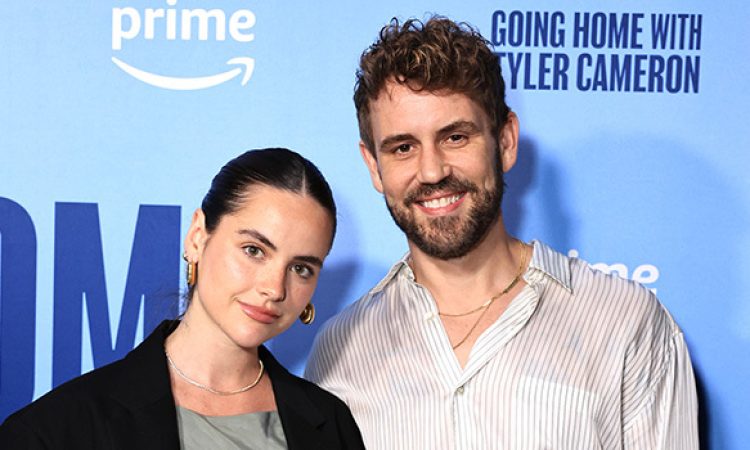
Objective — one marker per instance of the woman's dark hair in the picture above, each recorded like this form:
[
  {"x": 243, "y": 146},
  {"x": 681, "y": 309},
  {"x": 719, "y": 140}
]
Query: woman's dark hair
[{"x": 276, "y": 167}]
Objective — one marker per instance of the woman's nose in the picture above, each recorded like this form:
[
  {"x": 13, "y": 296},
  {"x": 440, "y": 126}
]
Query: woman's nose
[{"x": 271, "y": 284}]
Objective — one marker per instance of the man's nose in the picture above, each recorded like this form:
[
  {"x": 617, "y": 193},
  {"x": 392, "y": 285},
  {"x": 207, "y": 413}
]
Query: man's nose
[{"x": 433, "y": 166}]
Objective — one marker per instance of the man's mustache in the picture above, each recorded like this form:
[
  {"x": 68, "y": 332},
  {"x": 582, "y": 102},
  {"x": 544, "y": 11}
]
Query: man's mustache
[{"x": 449, "y": 183}]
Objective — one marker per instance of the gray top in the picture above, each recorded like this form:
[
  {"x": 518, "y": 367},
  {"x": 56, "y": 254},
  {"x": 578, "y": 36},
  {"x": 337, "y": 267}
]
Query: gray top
[{"x": 252, "y": 431}]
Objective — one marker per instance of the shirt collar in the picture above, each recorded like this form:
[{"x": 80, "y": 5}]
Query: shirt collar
[
  {"x": 550, "y": 263},
  {"x": 544, "y": 260},
  {"x": 401, "y": 264}
]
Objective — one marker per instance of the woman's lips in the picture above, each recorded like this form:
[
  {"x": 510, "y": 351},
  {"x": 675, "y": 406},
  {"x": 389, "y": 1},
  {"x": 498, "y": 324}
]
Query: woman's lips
[{"x": 259, "y": 313}]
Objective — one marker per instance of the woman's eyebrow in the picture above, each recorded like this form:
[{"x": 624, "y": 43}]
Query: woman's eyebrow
[{"x": 259, "y": 236}]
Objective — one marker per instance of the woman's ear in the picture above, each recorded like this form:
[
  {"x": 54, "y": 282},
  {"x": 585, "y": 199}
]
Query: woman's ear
[{"x": 197, "y": 236}]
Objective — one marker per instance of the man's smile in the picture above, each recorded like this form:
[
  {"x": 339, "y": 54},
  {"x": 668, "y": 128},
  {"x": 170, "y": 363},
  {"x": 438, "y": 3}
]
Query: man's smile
[{"x": 442, "y": 203}]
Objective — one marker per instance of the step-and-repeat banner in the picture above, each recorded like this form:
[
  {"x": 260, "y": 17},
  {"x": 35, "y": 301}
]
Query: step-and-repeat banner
[{"x": 115, "y": 114}]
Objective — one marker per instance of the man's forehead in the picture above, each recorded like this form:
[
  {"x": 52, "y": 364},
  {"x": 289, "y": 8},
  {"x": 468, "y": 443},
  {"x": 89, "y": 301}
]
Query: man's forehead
[
  {"x": 395, "y": 87},
  {"x": 398, "y": 104}
]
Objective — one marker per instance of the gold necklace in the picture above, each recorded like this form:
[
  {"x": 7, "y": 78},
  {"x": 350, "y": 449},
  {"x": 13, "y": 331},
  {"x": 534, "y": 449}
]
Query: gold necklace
[
  {"x": 209, "y": 388},
  {"x": 486, "y": 305},
  {"x": 482, "y": 306}
]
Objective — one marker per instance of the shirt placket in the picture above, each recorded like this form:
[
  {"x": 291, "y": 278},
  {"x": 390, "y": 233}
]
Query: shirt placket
[
  {"x": 457, "y": 381},
  {"x": 465, "y": 431},
  {"x": 465, "y": 426}
]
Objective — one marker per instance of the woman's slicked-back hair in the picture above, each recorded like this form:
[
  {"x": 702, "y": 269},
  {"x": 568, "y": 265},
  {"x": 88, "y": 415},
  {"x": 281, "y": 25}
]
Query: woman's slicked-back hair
[{"x": 275, "y": 167}]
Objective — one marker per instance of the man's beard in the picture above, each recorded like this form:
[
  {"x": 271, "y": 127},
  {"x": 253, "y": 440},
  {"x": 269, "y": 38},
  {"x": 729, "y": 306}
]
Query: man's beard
[{"x": 450, "y": 237}]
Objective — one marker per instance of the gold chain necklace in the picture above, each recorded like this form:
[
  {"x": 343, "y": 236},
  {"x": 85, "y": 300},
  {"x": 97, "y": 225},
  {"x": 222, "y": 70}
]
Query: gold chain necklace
[
  {"x": 486, "y": 305},
  {"x": 209, "y": 388}
]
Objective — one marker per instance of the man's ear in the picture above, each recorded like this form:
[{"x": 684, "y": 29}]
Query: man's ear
[
  {"x": 508, "y": 142},
  {"x": 372, "y": 165},
  {"x": 196, "y": 237}
]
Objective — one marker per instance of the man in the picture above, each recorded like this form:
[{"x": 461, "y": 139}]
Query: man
[{"x": 475, "y": 340}]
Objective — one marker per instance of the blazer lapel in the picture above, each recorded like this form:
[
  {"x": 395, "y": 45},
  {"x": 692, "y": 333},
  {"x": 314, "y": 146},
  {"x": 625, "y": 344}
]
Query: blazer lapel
[
  {"x": 145, "y": 393},
  {"x": 150, "y": 418},
  {"x": 301, "y": 419}
]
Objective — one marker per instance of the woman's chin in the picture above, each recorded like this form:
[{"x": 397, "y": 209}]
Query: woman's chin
[{"x": 254, "y": 334}]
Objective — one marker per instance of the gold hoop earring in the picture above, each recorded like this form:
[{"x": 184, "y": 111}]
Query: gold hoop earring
[
  {"x": 191, "y": 271},
  {"x": 308, "y": 314}
]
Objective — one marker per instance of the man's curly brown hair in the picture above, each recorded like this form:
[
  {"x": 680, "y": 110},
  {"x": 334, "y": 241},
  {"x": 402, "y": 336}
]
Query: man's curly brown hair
[{"x": 438, "y": 55}]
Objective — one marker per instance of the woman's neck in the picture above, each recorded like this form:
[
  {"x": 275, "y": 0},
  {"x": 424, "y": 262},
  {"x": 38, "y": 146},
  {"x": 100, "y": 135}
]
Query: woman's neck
[{"x": 202, "y": 352}]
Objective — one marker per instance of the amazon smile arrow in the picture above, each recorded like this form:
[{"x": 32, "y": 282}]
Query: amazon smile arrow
[{"x": 194, "y": 83}]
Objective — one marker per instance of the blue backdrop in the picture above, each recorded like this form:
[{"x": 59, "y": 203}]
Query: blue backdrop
[{"x": 115, "y": 115}]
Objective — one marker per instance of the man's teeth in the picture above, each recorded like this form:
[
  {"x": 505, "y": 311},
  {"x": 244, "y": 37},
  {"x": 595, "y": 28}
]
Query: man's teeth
[{"x": 440, "y": 202}]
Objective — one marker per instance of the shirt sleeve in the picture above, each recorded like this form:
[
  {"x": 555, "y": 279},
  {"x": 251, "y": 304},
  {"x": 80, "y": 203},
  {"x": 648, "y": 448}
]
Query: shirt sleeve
[
  {"x": 315, "y": 363},
  {"x": 326, "y": 350},
  {"x": 664, "y": 414}
]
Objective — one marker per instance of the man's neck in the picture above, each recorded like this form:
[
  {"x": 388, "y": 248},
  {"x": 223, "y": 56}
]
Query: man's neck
[{"x": 478, "y": 275}]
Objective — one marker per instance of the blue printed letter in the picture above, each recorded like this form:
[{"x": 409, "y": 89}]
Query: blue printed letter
[
  {"x": 153, "y": 277},
  {"x": 17, "y": 306}
]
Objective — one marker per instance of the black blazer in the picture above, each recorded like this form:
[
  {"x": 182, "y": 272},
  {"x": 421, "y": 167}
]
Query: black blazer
[{"x": 129, "y": 405}]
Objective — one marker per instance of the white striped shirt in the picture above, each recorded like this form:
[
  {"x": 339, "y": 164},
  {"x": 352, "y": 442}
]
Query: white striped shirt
[{"x": 579, "y": 360}]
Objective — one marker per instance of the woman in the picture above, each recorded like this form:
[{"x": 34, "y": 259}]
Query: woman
[{"x": 254, "y": 250}]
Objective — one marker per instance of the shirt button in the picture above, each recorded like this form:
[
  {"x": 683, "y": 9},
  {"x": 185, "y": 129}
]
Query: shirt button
[
  {"x": 429, "y": 315},
  {"x": 460, "y": 390}
]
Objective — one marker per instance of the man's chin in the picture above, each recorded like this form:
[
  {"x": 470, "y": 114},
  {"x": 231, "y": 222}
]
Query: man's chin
[
  {"x": 443, "y": 251},
  {"x": 445, "y": 244},
  {"x": 439, "y": 237}
]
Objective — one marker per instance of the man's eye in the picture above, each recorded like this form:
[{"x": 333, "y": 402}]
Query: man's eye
[
  {"x": 456, "y": 138},
  {"x": 403, "y": 148},
  {"x": 254, "y": 251},
  {"x": 302, "y": 270}
]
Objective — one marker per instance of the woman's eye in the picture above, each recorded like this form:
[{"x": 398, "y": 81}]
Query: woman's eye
[
  {"x": 302, "y": 270},
  {"x": 254, "y": 251}
]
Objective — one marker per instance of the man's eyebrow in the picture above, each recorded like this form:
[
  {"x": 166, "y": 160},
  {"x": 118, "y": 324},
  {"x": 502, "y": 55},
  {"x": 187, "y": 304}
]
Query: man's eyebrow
[
  {"x": 395, "y": 138},
  {"x": 466, "y": 126},
  {"x": 259, "y": 236},
  {"x": 314, "y": 260}
]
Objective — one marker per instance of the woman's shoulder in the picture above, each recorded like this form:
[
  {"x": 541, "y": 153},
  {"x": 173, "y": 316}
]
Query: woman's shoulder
[
  {"x": 99, "y": 386},
  {"x": 79, "y": 390},
  {"x": 73, "y": 411},
  {"x": 84, "y": 399}
]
